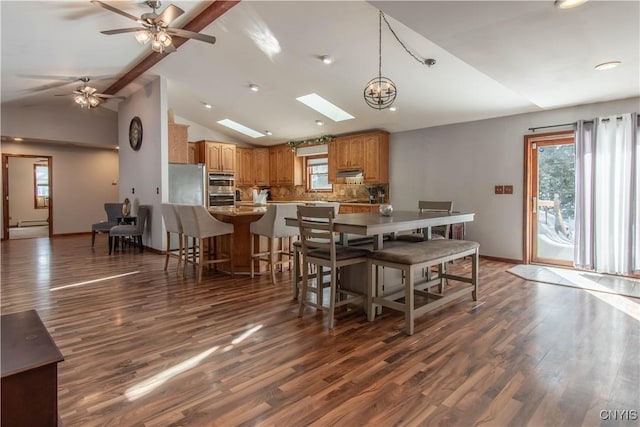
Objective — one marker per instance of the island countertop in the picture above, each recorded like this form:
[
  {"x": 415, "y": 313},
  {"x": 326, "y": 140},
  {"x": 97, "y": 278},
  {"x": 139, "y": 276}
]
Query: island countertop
[{"x": 233, "y": 211}]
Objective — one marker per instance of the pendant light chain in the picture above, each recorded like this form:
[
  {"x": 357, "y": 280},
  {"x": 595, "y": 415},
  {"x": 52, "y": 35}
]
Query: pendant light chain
[
  {"x": 422, "y": 61},
  {"x": 380, "y": 45}
]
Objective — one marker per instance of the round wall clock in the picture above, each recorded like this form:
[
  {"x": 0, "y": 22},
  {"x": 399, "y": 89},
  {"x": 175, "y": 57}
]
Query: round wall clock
[{"x": 135, "y": 133}]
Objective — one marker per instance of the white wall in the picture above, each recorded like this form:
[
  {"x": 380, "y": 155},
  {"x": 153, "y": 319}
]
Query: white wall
[
  {"x": 70, "y": 124},
  {"x": 463, "y": 162},
  {"x": 82, "y": 181},
  {"x": 144, "y": 173}
]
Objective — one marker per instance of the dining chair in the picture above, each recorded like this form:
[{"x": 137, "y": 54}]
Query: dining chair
[
  {"x": 271, "y": 225},
  {"x": 114, "y": 211},
  {"x": 319, "y": 247},
  {"x": 134, "y": 231},
  {"x": 198, "y": 224},
  {"x": 437, "y": 232},
  {"x": 172, "y": 225}
]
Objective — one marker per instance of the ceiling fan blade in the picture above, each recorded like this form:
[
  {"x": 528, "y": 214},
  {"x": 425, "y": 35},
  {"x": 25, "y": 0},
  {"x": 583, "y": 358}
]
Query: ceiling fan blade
[
  {"x": 64, "y": 94},
  {"x": 169, "y": 14},
  {"x": 104, "y": 95},
  {"x": 114, "y": 10},
  {"x": 121, "y": 30},
  {"x": 190, "y": 35}
]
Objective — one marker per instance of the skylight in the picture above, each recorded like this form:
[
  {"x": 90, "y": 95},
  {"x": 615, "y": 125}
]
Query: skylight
[
  {"x": 322, "y": 106},
  {"x": 240, "y": 128}
]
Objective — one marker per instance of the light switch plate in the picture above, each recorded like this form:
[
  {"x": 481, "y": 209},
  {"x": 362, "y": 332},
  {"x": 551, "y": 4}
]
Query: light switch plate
[
  {"x": 499, "y": 189},
  {"x": 508, "y": 189}
]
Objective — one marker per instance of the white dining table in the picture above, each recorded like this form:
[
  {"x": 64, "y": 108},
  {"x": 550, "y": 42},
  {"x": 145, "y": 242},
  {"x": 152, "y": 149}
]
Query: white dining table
[{"x": 376, "y": 225}]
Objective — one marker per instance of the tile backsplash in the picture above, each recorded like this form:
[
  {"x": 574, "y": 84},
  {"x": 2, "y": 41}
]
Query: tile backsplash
[{"x": 358, "y": 192}]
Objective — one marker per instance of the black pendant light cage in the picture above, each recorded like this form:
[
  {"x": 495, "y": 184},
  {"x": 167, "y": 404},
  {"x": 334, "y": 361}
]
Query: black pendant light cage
[{"x": 380, "y": 92}]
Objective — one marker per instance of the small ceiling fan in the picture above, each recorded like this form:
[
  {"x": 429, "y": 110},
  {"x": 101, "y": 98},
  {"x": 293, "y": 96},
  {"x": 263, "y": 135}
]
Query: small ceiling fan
[
  {"x": 155, "y": 28},
  {"x": 87, "y": 96}
]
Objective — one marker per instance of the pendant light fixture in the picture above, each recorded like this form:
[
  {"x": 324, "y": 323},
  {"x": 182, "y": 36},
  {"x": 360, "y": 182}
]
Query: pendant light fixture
[{"x": 380, "y": 92}]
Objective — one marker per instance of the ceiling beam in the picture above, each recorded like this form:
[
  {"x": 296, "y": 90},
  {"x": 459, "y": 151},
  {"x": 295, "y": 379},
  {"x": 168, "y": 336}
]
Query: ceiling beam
[{"x": 198, "y": 23}]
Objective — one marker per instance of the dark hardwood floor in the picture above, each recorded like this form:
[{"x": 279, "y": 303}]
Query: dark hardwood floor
[{"x": 145, "y": 347}]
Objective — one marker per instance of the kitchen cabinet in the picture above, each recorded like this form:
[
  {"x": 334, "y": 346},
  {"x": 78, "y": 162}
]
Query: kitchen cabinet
[
  {"x": 358, "y": 208},
  {"x": 349, "y": 152},
  {"x": 178, "y": 140},
  {"x": 285, "y": 168},
  {"x": 260, "y": 166},
  {"x": 218, "y": 156},
  {"x": 368, "y": 152},
  {"x": 193, "y": 157},
  {"x": 376, "y": 158},
  {"x": 244, "y": 168}
]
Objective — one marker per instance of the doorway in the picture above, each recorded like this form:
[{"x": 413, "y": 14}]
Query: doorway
[
  {"x": 26, "y": 196},
  {"x": 549, "y": 198}
]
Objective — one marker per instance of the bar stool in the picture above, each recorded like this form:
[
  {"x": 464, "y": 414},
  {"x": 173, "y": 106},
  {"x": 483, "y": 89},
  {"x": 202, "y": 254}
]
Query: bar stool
[
  {"x": 198, "y": 224},
  {"x": 272, "y": 226},
  {"x": 173, "y": 225}
]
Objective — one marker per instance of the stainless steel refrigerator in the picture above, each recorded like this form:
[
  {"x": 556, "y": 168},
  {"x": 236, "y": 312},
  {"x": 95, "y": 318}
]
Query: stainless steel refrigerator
[{"x": 188, "y": 184}]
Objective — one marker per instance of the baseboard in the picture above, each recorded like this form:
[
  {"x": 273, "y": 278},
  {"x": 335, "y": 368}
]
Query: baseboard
[{"x": 499, "y": 259}]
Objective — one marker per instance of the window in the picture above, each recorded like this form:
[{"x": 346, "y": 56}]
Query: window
[
  {"x": 41, "y": 180},
  {"x": 317, "y": 168}
]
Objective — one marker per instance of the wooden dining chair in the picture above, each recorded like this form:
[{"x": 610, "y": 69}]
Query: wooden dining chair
[
  {"x": 437, "y": 232},
  {"x": 317, "y": 236}
]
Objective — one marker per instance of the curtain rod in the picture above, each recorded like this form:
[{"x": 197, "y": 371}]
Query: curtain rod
[{"x": 567, "y": 124}]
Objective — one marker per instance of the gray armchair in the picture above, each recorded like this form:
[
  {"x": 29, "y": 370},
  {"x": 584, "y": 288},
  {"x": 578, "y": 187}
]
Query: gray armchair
[
  {"x": 114, "y": 211},
  {"x": 131, "y": 230}
]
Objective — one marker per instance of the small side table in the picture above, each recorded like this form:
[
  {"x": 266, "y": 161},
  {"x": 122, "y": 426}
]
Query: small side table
[{"x": 29, "y": 382}]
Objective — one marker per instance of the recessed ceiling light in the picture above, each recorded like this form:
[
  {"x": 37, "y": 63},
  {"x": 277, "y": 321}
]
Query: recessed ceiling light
[
  {"x": 322, "y": 106},
  {"x": 392, "y": 108},
  {"x": 268, "y": 132},
  {"x": 607, "y": 65},
  {"x": 327, "y": 59},
  {"x": 319, "y": 122},
  {"x": 568, "y": 4},
  {"x": 240, "y": 128},
  {"x": 254, "y": 87},
  {"x": 18, "y": 139},
  {"x": 206, "y": 105}
]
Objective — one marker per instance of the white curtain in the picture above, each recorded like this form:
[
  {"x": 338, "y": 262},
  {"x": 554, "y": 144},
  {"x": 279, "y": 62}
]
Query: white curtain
[{"x": 607, "y": 228}]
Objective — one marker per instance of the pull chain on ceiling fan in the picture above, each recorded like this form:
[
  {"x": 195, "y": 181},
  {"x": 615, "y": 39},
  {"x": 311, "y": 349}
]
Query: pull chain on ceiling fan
[{"x": 155, "y": 28}]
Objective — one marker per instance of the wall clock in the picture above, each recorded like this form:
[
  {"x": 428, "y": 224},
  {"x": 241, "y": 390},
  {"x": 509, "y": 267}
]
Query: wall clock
[{"x": 135, "y": 133}]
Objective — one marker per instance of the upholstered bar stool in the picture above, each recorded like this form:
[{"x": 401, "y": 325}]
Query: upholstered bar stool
[
  {"x": 319, "y": 247},
  {"x": 173, "y": 225},
  {"x": 272, "y": 226},
  {"x": 198, "y": 224}
]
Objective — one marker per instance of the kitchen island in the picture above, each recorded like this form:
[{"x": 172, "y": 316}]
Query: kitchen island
[{"x": 241, "y": 217}]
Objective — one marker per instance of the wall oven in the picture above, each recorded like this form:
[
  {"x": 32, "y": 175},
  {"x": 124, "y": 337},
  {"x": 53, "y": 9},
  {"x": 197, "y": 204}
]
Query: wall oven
[{"x": 222, "y": 189}]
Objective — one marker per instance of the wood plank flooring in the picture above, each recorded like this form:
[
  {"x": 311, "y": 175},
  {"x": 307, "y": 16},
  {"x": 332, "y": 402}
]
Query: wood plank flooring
[{"x": 144, "y": 347}]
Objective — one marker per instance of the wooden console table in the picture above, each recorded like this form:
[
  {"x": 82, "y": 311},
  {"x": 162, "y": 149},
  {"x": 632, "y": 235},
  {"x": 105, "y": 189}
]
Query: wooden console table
[{"x": 29, "y": 381}]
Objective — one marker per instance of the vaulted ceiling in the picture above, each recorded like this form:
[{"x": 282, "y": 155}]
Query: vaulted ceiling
[{"x": 492, "y": 59}]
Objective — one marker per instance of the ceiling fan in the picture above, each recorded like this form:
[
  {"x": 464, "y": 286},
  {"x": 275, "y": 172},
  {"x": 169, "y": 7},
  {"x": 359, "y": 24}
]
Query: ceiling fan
[
  {"x": 87, "y": 96},
  {"x": 155, "y": 27}
]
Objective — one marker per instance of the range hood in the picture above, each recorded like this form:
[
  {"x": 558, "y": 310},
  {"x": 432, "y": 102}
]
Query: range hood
[{"x": 355, "y": 173}]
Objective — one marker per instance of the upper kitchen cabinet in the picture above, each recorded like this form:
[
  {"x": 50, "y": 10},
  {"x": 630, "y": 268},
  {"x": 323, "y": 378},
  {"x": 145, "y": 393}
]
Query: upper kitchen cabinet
[
  {"x": 285, "y": 168},
  {"x": 349, "y": 152},
  {"x": 194, "y": 155},
  {"x": 178, "y": 141},
  {"x": 244, "y": 166},
  {"x": 218, "y": 156},
  {"x": 376, "y": 158},
  {"x": 368, "y": 152},
  {"x": 260, "y": 166}
]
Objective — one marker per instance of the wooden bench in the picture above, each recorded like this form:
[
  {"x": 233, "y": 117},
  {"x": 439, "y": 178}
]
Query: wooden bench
[{"x": 413, "y": 257}]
